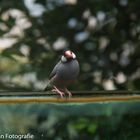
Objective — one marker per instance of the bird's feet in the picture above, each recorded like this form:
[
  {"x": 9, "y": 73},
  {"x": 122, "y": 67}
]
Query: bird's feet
[
  {"x": 56, "y": 90},
  {"x": 68, "y": 92}
]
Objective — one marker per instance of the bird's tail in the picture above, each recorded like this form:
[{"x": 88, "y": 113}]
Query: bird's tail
[
  {"x": 48, "y": 87},
  {"x": 45, "y": 89}
]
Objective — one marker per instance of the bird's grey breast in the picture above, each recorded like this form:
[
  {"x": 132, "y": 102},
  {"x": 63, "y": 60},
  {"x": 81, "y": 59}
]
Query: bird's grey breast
[{"x": 69, "y": 70}]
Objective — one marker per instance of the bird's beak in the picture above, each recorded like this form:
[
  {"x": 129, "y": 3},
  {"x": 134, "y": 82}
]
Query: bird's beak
[{"x": 68, "y": 54}]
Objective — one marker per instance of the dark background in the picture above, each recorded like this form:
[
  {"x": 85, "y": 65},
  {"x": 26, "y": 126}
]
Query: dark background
[{"x": 104, "y": 35}]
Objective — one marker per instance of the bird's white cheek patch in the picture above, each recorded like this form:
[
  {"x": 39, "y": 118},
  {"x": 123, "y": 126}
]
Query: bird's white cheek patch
[
  {"x": 73, "y": 55},
  {"x": 63, "y": 59}
]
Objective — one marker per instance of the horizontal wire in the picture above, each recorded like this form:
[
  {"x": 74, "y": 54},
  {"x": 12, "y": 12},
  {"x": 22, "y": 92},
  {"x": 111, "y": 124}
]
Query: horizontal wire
[
  {"x": 86, "y": 99},
  {"x": 8, "y": 97},
  {"x": 75, "y": 93}
]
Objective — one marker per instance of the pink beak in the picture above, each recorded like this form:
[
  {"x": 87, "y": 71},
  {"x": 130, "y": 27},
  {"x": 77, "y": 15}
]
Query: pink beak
[{"x": 68, "y": 54}]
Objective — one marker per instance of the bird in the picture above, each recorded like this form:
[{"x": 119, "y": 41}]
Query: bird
[{"x": 64, "y": 73}]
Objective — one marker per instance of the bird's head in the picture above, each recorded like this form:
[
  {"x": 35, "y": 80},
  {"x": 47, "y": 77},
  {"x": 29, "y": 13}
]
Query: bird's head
[{"x": 67, "y": 56}]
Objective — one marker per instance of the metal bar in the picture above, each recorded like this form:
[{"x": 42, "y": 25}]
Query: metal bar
[
  {"x": 91, "y": 99},
  {"x": 75, "y": 93},
  {"x": 78, "y": 96}
]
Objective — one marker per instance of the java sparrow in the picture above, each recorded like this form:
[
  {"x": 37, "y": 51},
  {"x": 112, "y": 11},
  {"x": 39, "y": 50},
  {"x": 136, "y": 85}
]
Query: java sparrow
[{"x": 64, "y": 73}]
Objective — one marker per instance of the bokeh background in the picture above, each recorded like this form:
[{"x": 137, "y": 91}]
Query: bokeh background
[
  {"x": 105, "y": 35},
  {"x": 72, "y": 121}
]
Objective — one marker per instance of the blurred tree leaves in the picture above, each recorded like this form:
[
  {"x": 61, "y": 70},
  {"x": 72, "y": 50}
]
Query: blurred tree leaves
[
  {"x": 73, "y": 121},
  {"x": 103, "y": 34}
]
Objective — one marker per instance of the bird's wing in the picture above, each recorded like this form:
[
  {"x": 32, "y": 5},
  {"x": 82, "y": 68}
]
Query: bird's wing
[
  {"x": 51, "y": 76},
  {"x": 54, "y": 70}
]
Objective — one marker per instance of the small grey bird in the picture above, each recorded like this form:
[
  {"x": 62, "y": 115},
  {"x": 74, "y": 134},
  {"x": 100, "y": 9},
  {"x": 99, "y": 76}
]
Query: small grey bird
[{"x": 64, "y": 73}]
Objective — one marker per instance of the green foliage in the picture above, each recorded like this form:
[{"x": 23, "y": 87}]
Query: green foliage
[
  {"x": 84, "y": 124},
  {"x": 103, "y": 34},
  {"x": 72, "y": 121}
]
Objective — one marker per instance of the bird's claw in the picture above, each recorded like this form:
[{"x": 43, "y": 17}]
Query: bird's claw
[
  {"x": 68, "y": 92},
  {"x": 56, "y": 90}
]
